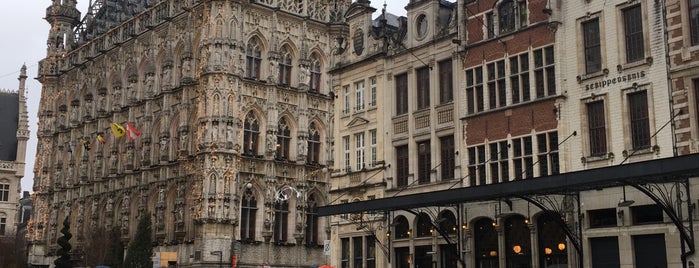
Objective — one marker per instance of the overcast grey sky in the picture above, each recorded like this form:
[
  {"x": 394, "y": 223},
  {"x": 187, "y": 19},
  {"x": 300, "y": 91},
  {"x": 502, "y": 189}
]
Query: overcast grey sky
[{"x": 24, "y": 42}]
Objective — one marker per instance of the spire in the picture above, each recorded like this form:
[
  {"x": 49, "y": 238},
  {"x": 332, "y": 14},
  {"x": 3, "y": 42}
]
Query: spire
[
  {"x": 63, "y": 17},
  {"x": 22, "y": 124}
]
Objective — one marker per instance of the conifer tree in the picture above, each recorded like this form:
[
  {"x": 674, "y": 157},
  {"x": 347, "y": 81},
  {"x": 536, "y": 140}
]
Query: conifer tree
[
  {"x": 138, "y": 255},
  {"x": 115, "y": 254},
  {"x": 63, "y": 253}
]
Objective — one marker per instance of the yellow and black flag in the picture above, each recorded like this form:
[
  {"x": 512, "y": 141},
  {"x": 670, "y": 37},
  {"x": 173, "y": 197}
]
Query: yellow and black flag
[
  {"x": 118, "y": 130},
  {"x": 86, "y": 144}
]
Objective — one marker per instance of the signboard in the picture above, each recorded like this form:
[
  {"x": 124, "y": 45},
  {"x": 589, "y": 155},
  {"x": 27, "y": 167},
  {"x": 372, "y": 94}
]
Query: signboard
[
  {"x": 326, "y": 247},
  {"x": 156, "y": 260}
]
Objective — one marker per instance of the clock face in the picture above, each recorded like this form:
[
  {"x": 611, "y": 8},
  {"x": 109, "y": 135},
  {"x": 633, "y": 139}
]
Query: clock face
[
  {"x": 421, "y": 26},
  {"x": 358, "y": 41}
]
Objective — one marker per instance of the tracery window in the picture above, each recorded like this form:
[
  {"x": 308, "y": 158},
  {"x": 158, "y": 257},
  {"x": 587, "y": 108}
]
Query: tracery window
[
  {"x": 285, "y": 66},
  {"x": 312, "y": 221},
  {"x": 281, "y": 221},
  {"x": 253, "y": 59},
  {"x": 251, "y": 133},
  {"x": 283, "y": 139},
  {"x": 313, "y": 156},
  {"x": 248, "y": 210}
]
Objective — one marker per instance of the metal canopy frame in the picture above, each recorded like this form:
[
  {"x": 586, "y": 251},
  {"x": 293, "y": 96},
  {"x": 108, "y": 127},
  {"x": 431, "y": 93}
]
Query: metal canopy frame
[
  {"x": 665, "y": 181},
  {"x": 654, "y": 171}
]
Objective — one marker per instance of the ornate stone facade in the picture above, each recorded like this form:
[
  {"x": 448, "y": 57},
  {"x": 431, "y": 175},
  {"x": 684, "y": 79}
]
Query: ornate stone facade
[{"x": 194, "y": 78}]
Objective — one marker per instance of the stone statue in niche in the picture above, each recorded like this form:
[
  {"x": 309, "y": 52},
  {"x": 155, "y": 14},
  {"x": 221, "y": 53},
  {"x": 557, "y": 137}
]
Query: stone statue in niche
[
  {"x": 304, "y": 75},
  {"x": 271, "y": 142},
  {"x": 87, "y": 109},
  {"x": 214, "y": 133},
  {"x": 183, "y": 141},
  {"x": 302, "y": 146},
  {"x": 163, "y": 148},
  {"x": 131, "y": 89},
  {"x": 83, "y": 168},
  {"x": 145, "y": 153},
  {"x": 217, "y": 59},
  {"x": 179, "y": 214},
  {"x": 113, "y": 162},
  {"x": 161, "y": 195},
  {"x": 116, "y": 97},
  {"x": 81, "y": 212},
  {"x": 186, "y": 68},
  {"x": 231, "y": 137},
  {"x": 150, "y": 84},
  {"x": 126, "y": 203},
  {"x": 129, "y": 157},
  {"x": 61, "y": 119},
  {"x": 93, "y": 209},
  {"x": 102, "y": 101},
  {"x": 124, "y": 224},
  {"x": 273, "y": 71},
  {"x": 74, "y": 114},
  {"x": 166, "y": 78},
  {"x": 180, "y": 190},
  {"x": 110, "y": 204}
]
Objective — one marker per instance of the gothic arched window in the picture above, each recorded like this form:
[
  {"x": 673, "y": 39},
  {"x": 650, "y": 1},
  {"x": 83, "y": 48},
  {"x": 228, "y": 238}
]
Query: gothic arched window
[
  {"x": 283, "y": 139},
  {"x": 253, "y": 59},
  {"x": 313, "y": 156},
  {"x": 315, "y": 73},
  {"x": 251, "y": 133},
  {"x": 281, "y": 221},
  {"x": 248, "y": 211},
  {"x": 312, "y": 221},
  {"x": 285, "y": 66}
]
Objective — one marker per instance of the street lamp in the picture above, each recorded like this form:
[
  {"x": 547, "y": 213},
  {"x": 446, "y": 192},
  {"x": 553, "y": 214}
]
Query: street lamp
[{"x": 220, "y": 257}]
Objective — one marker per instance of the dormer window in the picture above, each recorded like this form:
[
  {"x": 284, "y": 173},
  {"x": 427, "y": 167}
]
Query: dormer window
[
  {"x": 511, "y": 15},
  {"x": 506, "y": 14}
]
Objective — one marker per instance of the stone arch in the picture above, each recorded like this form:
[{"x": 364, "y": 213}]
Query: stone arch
[
  {"x": 401, "y": 230},
  {"x": 446, "y": 221},
  {"x": 263, "y": 42},
  {"x": 233, "y": 24},
  {"x": 254, "y": 190},
  {"x": 218, "y": 27}
]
